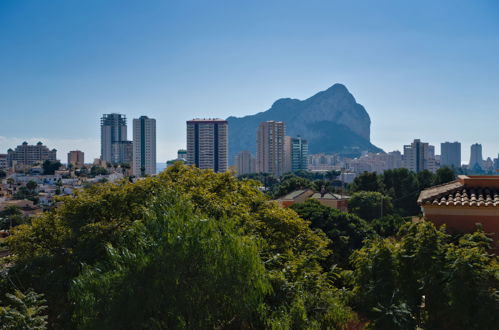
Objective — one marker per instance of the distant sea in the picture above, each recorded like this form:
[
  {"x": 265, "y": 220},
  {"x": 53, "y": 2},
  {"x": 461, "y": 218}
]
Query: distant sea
[{"x": 160, "y": 167}]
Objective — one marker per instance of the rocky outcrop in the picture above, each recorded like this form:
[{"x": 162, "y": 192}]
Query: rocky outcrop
[{"x": 331, "y": 120}]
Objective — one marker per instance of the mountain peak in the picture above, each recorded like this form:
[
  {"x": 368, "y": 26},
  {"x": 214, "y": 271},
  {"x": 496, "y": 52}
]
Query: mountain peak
[
  {"x": 331, "y": 120},
  {"x": 337, "y": 88}
]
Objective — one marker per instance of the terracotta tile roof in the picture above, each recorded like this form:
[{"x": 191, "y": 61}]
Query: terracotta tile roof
[{"x": 457, "y": 194}]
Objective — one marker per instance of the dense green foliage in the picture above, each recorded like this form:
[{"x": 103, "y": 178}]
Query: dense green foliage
[
  {"x": 370, "y": 205},
  {"x": 346, "y": 231},
  {"x": 402, "y": 185},
  {"x": 290, "y": 183},
  {"x": 426, "y": 278},
  {"x": 12, "y": 216},
  {"x": 62, "y": 246},
  {"x": 49, "y": 167},
  {"x": 97, "y": 170},
  {"x": 192, "y": 249},
  {"x": 174, "y": 270},
  {"x": 22, "y": 311}
]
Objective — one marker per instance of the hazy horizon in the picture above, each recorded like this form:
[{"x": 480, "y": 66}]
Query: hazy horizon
[{"x": 422, "y": 70}]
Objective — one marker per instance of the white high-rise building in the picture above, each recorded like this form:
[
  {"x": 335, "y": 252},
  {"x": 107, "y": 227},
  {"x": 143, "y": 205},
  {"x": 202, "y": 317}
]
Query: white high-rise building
[
  {"x": 207, "y": 144},
  {"x": 419, "y": 156},
  {"x": 450, "y": 154},
  {"x": 144, "y": 146}
]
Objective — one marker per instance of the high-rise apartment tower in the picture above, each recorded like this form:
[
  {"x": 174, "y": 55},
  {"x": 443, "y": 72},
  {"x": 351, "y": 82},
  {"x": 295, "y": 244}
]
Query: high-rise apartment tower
[
  {"x": 207, "y": 144},
  {"x": 144, "y": 146},
  {"x": 270, "y": 147},
  {"x": 450, "y": 154},
  {"x": 114, "y": 145},
  {"x": 476, "y": 158},
  {"x": 419, "y": 156}
]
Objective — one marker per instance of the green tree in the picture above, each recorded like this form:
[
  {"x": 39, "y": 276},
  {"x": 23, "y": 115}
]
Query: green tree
[
  {"x": 425, "y": 179},
  {"x": 269, "y": 181},
  {"x": 367, "y": 181},
  {"x": 31, "y": 185},
  {"x": 12, "y": 216},
  {"x": 49, "y": 167},
  {"x": 174, "y": 270},
  {"x": 403, "y": 186},
  {"x": 290, "y": 183},
  {"x": 388, "y": 225},
  {"x": 370, "y": 205},
  {"x": 49, "y": 252},
  {"x": 346, "y": 231},
  {"x": 97, "y": 170},
  {"x": 23, "y": 311},
  {"x": 444, "y": 175},
  {"x": 427, "y": 278},
  {"x": 3, "y": 174}
]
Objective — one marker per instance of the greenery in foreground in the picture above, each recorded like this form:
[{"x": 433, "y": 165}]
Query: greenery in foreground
[{"x": 192, "y": 249}]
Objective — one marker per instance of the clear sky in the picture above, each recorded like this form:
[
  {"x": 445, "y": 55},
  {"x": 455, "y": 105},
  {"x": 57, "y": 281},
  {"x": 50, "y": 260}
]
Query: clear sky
[{"x": 422, "y": 69}]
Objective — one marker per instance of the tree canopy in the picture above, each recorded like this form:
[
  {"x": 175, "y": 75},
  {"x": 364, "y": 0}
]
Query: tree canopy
[
  {"x": 427, "y": 279},
  {"x": 63, "y": 246},
  {"x": 193, "y": 249}
]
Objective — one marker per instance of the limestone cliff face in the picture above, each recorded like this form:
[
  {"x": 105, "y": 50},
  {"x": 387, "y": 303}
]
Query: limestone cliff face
[{"x": 331, "y": 121}]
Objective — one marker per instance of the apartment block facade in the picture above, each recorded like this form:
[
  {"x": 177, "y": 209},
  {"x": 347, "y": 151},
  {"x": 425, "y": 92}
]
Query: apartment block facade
[
  {"x": 115, "y": 148},
  {"x": 419, "y": 156},
  {"x": 26, "y": 154},
  {"x": 270, "y": 156},
  {"x": 207, "y": 144},
  {"x": 245, "y": 163},
  {"x": 76, "y": 158},
  {"x": 144, "y": 146},
  {"x": 450, "y": 154}
]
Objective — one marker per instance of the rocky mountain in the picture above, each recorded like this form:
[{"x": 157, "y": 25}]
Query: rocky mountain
[{"x": 331, "y": 120}]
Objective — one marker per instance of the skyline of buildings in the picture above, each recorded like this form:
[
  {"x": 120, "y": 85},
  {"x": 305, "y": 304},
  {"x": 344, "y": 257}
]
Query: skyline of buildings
[
  {"x": 207, "y": 144},
  {"x": 276, "y": 152}
]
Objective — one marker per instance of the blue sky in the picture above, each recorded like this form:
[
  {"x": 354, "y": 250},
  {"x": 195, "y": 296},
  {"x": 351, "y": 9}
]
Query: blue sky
[{"x": 422, "y": 69}]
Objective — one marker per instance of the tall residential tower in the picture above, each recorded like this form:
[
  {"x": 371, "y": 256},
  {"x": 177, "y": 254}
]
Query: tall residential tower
[
  {"x": 476, "y": 158},
  {"x": 114, "y": 145},
  {"x": 207, "y": 144},
  {"x": 144, "y": 146},
  {"x": 419, "y": 156},
  {"x": 270, "y": 147},
  {"x": 299, "y": 154},
  {"x": 450, "y": 154}
]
